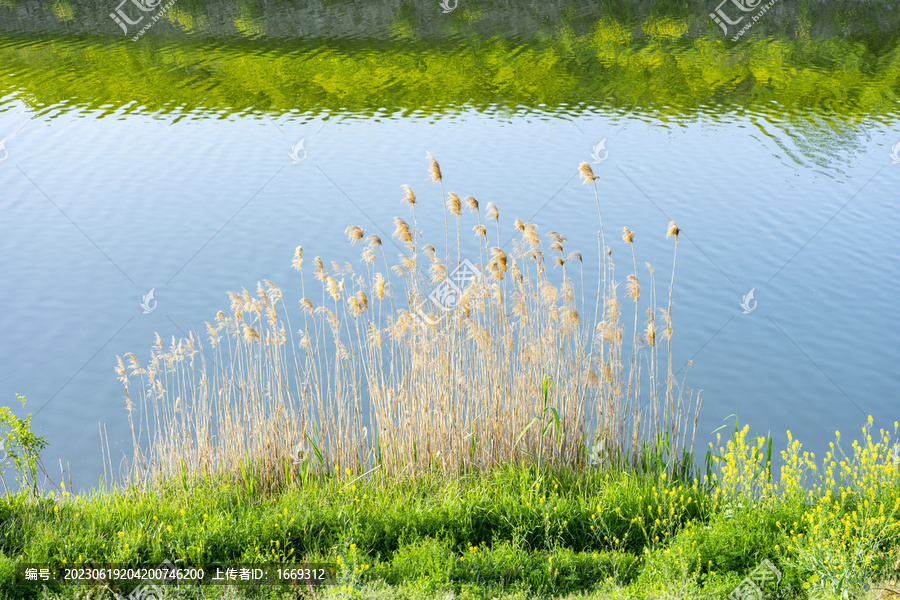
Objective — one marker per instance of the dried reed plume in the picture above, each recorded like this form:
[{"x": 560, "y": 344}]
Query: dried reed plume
[
  {"x": 453, "y": 203},
  {"x": 634, "y": 288},
  {"x": 673, "y": 230},
  {"x": 401, "y": 231},
  {"x": 354, "y": 233},
  {"x": 434, "y": 169},
  {"x": 410, "y": 197},
  {"x": 587, "y": 173}
]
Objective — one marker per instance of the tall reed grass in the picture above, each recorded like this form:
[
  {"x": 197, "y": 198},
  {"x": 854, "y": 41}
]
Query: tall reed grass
[{"x": 377, "y": 376}]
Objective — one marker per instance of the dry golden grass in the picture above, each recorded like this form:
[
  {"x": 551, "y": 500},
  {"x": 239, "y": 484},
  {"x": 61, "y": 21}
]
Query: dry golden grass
[{"x": 379, "y": 377}]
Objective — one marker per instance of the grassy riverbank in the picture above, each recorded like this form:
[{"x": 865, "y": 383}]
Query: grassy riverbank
[{"x": 514, "y": 532}]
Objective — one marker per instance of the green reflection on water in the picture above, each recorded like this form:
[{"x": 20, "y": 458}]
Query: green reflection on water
[{"x": 657, "y": 67}]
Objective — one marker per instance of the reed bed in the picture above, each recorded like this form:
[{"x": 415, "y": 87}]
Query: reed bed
[{"x": 425, "y": 362}]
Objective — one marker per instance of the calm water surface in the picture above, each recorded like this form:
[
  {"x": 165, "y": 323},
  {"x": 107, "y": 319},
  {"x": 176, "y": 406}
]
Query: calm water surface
[{"x": 165, "y": 164}]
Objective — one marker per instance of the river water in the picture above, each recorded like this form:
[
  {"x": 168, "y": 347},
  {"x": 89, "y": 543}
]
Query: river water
[{"x": 171, "y": 163}]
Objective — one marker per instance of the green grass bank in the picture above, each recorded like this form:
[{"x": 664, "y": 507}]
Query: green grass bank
[{"x": 830, "y": 527}]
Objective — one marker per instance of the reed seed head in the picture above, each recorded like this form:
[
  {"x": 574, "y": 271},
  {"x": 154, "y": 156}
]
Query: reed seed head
[
  {"x": 472, "y": 203},
  {"x": 401, "y": 231},
  {"x": 519, "y": 225},
  {"x": 354, "y": 233},
  {"x": 373, "y": 240},
  {"x": 438, "y": 272},
  {"x": 250, "y": 334},
  {"x": 434, "y": 169},
  {"x": 627, "y": 236},
  {"x": 586, "y": 172},
  {"x": 549, "y": 293},
  {"x": 379, "y": 286},
  {"x": 354, "y": 306},
  {"x": 492, "y": 212},
  {"x": 120, "y": 367},
  {"x": 410, "y": 197},
  {"x": 673, "y": 230},
  {"x": 453, "y": 203},
  {"x": 480, "y": 230},
  {"x": 262, "y": 293},
  {"x": 332, "y": 286},
  {"x": 667, "y": 334},
  {"x": 650, "y": 334},
  {"x": 134, "y": 365},
  {"x": 498, "y": 262},
  {"x": 634, "y": 288},
  {"x": 407, "y": 265},
  {"x": 575, "y": 256},
  {"x": 570, "y": 317},
  {"x": 297, "y": 263},
  {"x": 274, "y": 290},
  {"x": 531, "y": 235},
  {"x": 320, "y": 269},
  {"x": 516, "y": 273}
]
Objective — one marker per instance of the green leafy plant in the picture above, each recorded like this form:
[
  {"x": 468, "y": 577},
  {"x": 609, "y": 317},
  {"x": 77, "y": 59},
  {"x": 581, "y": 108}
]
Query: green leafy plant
[
  {"x": 546, "y": 384},
  {"x": 21, "y": 446}
]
